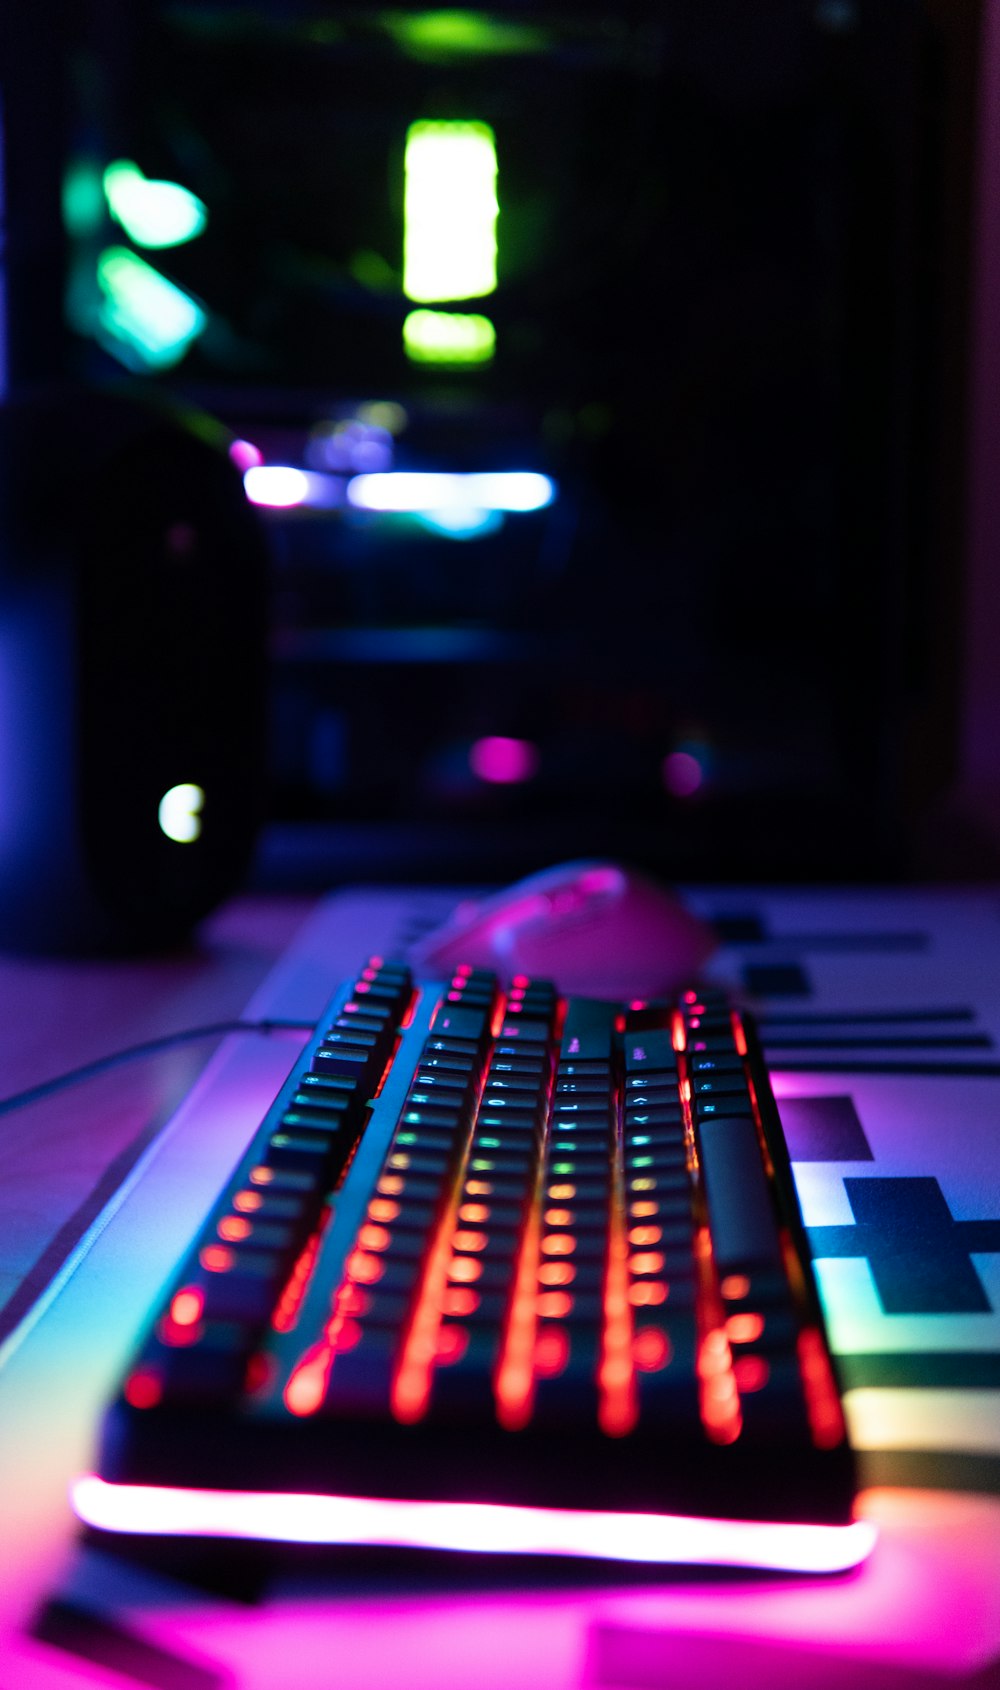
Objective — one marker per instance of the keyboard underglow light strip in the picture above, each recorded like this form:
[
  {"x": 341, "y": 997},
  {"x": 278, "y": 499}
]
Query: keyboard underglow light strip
[{"x": 485, "y": 1528}]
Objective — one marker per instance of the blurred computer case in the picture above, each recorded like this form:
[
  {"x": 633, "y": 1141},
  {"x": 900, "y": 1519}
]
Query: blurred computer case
[{"x": 606, "y": 379}]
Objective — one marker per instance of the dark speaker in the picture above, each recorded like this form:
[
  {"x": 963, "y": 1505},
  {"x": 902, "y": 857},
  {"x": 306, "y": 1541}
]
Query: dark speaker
[{"x": 132, "y": 671}]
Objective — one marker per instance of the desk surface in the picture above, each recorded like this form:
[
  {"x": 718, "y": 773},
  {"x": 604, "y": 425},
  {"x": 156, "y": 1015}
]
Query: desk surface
[{"x": 102, "y": 1190}]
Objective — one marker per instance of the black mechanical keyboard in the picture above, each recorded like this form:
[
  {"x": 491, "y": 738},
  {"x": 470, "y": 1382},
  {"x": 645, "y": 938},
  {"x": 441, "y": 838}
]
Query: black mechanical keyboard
[{"x": 499, "y": 1270}]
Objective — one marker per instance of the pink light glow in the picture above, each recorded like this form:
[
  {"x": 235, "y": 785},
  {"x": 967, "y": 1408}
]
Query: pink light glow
[
  {"x": 487, "y": 1528},
  {"x": 245, "y": 455},
  {"x": 504, "y": 762}
]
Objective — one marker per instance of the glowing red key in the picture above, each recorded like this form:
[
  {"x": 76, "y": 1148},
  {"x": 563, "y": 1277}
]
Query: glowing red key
[
  {"x": 751, "y": 1373},
  {"x": 186, "y": 1306},
  {"x": 551, "y": 1352},
  {"x": 307, "y": 1386},
  {"x": 143, "y": 1388},
  {"x": 459, "y": 1300},
  {"x": 554, "y": 1305},
  {"x": 647, "y": 1293},
  {"x": 452, "y": 1343},
  {"x": 348, "y": 1335},
  {"x": 382, "y": 1209},
  {"x": 233, "y": 1228},
  {"x": 217, "y": 1258},
  {"x": 744, "y": 1328},
  {"x": 556, "y": 1273},
  {"x": 248, "y": 1202},
  {"x": 466, "y": 1240},
  {"x": 363, "y": 1268},
  {"x": 351, "y": 1299},
  {"x": 651, "y": 1349}
]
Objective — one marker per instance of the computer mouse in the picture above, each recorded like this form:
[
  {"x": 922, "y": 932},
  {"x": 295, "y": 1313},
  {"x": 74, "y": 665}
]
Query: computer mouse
[{"x": 596, "y": 928}]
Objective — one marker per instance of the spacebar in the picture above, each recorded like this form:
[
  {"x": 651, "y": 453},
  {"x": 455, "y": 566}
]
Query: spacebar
[{"x": 739, "y": 1202}]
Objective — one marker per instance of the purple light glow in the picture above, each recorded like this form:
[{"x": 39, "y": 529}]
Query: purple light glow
[
  {"x": 504, "y": 762},
  {"x": 682, "y": 774},
  {"x": 475, "y": 1528}
]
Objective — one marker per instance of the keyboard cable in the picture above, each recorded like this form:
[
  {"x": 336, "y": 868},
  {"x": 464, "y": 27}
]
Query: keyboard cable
[{"x": 147, "y": 1047}]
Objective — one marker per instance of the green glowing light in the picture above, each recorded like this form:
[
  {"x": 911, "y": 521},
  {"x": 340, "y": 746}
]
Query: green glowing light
[
  {"x": 82, "y": 198},
  {"x": 443, "y": 35},
  {"x": 372, "y": 271},
  {"x": 150, "y": 321},
  {"x": 153, "y": 214},
  {"x": 448, "y": 337},
  {"x": 449, "y": 212}
]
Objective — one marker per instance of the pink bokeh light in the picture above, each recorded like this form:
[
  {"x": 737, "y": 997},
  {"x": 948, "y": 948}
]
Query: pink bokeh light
[
  {"x": 503, "y": 761},
  {"x": 245, "y": 455}
]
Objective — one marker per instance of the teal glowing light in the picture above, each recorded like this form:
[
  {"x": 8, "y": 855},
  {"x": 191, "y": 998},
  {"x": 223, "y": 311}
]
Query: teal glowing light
[
  {"x": 461, "y": 522},
  {"x": 82, "y": 198},
  {"x": 448, "y": 337},
  {"x": 150, "y": 322},
  {"x": 153, "y": 214},
  {"x": 450, "y": 212}
]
